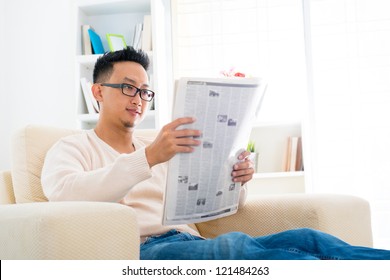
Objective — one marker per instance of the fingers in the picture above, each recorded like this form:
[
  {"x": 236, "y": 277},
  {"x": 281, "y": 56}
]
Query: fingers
[
  {"x": 181, "y": 137},
  {"x": 186, "y": 142},
  {"x": 173, "y": 129},
  {"x": 185, "y": 133},
  {"x": 179, "y": 121},
  {"x": 243, "y": 171},
  {"x": 172, "y": 140},
  {"x": 244, "y": 155}
]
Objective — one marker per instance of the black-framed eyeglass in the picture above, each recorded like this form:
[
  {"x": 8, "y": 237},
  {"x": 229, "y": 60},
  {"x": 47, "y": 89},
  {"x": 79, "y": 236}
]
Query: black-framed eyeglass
[{"x": 130, "y": 90}]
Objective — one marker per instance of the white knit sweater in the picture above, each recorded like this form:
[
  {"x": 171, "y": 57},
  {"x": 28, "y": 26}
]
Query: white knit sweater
[{"x": 84, "y": 167}]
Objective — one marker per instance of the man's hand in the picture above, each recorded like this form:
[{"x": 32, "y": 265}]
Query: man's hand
[
  {"x": 171, "y": 141},
  {"x": 243, "y": 170}
]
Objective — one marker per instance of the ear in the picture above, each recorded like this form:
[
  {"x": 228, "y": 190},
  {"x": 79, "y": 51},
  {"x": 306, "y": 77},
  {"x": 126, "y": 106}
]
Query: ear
[{"x": 97, "y": 93}]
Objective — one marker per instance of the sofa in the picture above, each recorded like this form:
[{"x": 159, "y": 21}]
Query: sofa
[{"x": 33, "y": 228}]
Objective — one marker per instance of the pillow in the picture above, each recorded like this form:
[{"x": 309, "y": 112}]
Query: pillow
[{"x": 29, "y": 147}]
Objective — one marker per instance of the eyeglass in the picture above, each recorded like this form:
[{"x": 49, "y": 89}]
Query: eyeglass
[{"x": 130, "y": 90}]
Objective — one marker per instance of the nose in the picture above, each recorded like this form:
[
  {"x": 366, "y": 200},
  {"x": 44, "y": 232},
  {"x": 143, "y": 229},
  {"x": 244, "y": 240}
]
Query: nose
[{"x": 137, "y": 99}]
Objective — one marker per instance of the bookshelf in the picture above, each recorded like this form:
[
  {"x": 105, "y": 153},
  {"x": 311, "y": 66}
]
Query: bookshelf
[
  {"x": 271, "y": 140},
  {"x": 121, "y": 17}
]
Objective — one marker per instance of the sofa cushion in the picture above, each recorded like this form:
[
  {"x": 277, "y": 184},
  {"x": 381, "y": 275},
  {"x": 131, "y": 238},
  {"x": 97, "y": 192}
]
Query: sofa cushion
[
  {"x": 29, "y": 147},
  {"x": 6, "y": 189}
]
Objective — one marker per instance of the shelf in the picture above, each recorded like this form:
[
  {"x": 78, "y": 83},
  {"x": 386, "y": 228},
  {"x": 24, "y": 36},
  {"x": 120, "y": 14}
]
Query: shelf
[
  {"x": 258, "y": 124},
  {"x": 277, "y": 183},
  {"x": 87, "y": 59},
  {"x": 91, "y": 59},
  {"x": 278, "y": 174},
  {"x": 121, "y": 17},
  {"x": 107, "y": 7},
  {"x": 93, "y": 118},
  {"x": 89, "y": 118},
  {"x": 271, "y": 142}
]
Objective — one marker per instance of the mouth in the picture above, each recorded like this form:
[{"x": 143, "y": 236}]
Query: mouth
[{"x": 134, "y": 111}]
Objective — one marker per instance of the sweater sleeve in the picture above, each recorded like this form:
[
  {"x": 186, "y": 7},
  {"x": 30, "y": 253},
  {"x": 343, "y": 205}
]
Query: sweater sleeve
[{"x": 70, "y": 172}]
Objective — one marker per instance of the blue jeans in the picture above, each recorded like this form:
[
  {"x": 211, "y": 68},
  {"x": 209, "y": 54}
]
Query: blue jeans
[{"x": 298, "y": 244}]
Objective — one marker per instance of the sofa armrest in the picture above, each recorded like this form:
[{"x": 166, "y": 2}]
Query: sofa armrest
[
  {"x": 68, "y": 230},
  {"x": 7, "y": 195},
  {"x": 346, "y": 217}
]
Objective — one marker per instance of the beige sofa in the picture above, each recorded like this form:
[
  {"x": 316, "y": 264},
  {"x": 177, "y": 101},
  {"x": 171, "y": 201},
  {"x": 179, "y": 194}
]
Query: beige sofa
[{"x": 32, "y": 228}]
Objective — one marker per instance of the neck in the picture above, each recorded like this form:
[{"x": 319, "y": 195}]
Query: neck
[{"x": 120, "y": 139}]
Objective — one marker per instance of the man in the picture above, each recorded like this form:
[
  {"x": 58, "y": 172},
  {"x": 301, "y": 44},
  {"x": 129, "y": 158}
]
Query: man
[{"x": 109, "y": 163}]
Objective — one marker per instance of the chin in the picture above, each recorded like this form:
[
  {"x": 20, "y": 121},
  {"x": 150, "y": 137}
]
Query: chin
[{"x": 128, "y": 125}]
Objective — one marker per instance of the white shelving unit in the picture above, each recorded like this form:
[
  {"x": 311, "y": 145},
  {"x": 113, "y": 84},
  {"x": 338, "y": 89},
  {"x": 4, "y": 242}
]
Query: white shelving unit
[
  {"x": 121, "y": 17},
  {"x": 271, "y": 143}
]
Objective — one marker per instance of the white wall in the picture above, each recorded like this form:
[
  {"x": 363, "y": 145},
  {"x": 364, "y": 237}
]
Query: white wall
[
  {"x": 2, "y": 101},
  {"x": 37, "y": 67}
]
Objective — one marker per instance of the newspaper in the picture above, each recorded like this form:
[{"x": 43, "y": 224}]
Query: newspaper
[{"x": 199, "y": 184}]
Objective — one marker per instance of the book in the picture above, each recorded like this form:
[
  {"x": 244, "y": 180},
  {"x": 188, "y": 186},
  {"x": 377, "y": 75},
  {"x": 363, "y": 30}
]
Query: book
[
  {"x": 299, "y": 158},
  {"x": 97, "y": 45},
  {"x": 88, "y": 96},
  {"x": 85, "y": 40},
  {"x": 95, "y": 104},
  {"x": 293, "y": 155},
  {"x": 294, "y": 159},
  {"x": 199, "y": 184},
  {"x": 147, "y": 33},
  {"x": 151, "y": 82},
  {"x": 287, "y": 157},
  {"x": 137, "y": 36}
]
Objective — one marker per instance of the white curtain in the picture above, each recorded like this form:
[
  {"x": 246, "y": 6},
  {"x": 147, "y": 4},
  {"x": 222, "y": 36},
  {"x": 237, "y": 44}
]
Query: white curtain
[{"x": 351, "y": 100}]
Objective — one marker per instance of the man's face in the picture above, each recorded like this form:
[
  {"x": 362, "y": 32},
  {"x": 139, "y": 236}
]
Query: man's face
[{"x": 119, "y": 108}]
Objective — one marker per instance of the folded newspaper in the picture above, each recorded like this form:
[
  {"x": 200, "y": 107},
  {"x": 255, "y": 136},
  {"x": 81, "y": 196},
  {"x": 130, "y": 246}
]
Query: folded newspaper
[{"x": 199, "y": 184}]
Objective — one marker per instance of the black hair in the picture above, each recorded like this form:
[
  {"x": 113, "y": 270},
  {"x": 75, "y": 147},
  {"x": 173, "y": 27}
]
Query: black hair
[{"x": 105, "y": 64}]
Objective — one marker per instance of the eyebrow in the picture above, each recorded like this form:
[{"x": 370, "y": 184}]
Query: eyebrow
[{"x": 134, "y": 82}]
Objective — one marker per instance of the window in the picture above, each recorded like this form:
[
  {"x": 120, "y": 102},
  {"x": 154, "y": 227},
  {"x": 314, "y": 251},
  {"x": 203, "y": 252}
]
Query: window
[{"x": 260, "y": 38}]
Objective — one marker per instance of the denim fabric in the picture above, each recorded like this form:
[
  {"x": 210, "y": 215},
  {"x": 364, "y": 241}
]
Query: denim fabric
[{"x": 298, "y": 244}]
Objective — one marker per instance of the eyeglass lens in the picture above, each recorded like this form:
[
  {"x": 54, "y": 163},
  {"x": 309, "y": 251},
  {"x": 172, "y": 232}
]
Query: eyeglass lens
[{"x": 132, "y": 91}]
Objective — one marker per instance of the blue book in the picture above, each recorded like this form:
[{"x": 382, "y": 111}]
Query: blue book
[{"x": 96, "y": 42}]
